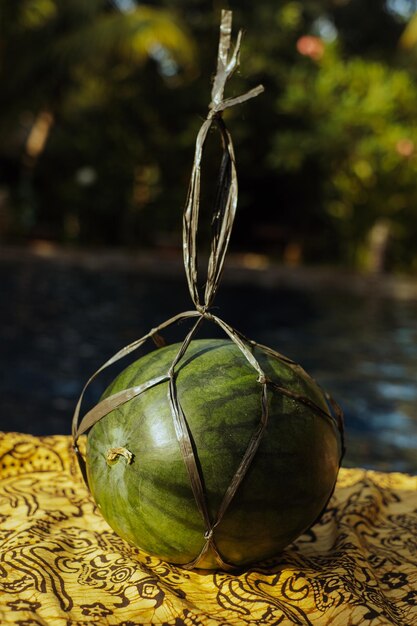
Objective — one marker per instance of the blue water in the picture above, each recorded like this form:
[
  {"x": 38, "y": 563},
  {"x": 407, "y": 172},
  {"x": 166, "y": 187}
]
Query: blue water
[{"x": 59, "y": 322}]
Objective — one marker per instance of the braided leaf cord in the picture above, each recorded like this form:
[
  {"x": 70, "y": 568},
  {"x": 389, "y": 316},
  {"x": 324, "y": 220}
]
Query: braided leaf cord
[{"x": 222, "y": 222}]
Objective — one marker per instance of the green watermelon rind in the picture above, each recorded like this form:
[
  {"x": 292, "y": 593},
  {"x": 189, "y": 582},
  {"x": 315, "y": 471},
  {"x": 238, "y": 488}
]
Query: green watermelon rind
[{"x": 150, "y": 503}]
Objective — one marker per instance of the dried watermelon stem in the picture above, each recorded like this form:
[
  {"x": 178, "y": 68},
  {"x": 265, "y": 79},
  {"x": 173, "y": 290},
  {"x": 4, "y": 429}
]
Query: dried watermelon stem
[{"x": 113, "y": 455}]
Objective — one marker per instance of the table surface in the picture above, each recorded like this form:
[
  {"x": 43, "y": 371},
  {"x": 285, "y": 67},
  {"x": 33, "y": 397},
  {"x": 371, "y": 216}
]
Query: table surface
[{"x": 61, "y": 564}]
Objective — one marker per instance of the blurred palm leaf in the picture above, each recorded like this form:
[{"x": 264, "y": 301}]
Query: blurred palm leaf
[
  {"x": 408, "y": 38},
  {"x": 43, "y": 42},
  {"x": 132, "y": 35}
]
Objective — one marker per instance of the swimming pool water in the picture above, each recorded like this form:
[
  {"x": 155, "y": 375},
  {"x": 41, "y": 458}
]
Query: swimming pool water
[{"x": 59, "y": 322}]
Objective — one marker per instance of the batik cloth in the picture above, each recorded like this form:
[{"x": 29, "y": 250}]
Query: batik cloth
[{"x": 62, "y": 565}]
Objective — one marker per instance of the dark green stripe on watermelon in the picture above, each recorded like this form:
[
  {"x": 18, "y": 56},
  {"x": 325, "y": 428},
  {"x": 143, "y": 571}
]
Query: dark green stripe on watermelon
[{"x": 149, "y": 501}]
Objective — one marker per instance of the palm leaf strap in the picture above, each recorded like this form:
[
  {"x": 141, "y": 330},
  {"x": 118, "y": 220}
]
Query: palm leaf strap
[{"x": 222, "y": 222}]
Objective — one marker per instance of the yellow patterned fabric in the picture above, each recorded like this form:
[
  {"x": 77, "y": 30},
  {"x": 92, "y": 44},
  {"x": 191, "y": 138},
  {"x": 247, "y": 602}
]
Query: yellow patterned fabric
[{"x": 62, "y": 565}]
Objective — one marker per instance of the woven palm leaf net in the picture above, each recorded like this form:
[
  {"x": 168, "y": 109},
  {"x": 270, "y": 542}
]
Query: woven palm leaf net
[
  {"x": 61, "y": 564},
  {"x": 222, "y": 222}
]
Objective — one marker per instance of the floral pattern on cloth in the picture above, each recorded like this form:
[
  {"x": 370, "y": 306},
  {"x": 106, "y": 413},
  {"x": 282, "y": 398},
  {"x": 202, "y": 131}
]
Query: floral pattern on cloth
[{"x": 62, "y": 565}]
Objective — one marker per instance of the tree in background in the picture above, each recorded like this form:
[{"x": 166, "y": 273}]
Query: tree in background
[
  {"x": 100, "y": 112},
  {"x": 354, "y": 122},
  {"x": 76, "y": 117},
  {"x": 346, "y": 135}
]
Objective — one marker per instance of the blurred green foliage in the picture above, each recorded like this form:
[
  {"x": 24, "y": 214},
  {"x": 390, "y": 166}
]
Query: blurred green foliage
[
  {"x": 357, "y": 123},
  {"x": 100, "y": 103}
]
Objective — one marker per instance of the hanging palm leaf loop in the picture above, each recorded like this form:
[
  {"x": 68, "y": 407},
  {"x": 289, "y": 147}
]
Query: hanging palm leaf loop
[{"x": 222, "y": 222}]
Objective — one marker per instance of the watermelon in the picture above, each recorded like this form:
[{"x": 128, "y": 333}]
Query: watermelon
[{"x": 138, "y": 477}]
